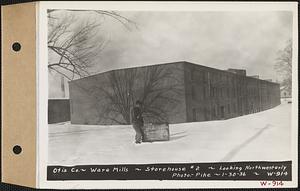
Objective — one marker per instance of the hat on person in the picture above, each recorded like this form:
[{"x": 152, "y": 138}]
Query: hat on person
[{"x": 138, "y": 102}]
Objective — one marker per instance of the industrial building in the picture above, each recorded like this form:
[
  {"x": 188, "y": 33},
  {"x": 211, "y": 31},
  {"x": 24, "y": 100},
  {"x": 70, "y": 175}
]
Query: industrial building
[
  {"x": 175, "y": 92},
  {"x": 58, "y": 110}
]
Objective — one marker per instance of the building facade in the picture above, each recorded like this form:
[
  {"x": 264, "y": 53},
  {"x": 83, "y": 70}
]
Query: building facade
[
  {"x": 58, "y": 110},
  {"x": 173, "y": 92},
  {"x": 284, "y": 93}
]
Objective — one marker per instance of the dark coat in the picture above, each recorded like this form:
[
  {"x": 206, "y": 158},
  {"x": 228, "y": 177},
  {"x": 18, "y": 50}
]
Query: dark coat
[{"x": 136, "y": 114}]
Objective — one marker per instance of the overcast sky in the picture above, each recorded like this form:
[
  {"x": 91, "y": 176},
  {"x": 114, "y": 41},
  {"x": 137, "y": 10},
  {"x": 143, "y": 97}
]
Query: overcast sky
[{"x": 247, "y": 40}]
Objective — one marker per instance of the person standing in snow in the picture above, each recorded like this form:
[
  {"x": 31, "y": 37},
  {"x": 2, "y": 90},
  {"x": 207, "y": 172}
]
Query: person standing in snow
[{"x": 137, "y": 121}]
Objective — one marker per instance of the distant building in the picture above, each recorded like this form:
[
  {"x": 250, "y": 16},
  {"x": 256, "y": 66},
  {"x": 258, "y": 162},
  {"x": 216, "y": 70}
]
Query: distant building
[
  {"x": 58, "y": 110},
  {"x": 173, "y": 92},
  {"x": 58, "y": 99},
  {"x": 58, "y": 86},
  {"x": 284, "y": 93}
]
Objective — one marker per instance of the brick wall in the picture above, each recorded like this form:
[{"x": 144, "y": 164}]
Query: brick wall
[
  {"x": 188, "y": 93},
  {"x": 213, "y": 94},
  {"x": 91, "y": 101}
]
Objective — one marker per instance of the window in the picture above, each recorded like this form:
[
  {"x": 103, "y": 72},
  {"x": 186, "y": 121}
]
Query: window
[
  {"x": 215, "y": 92},
  {"x": 223, "y": 92},
  {"x": 201, "y": 76},
  {"x": 71, "y": 108},
  {"x": 201, "y": 93},
  {"x": 194, "y": 114},
  {"x": 206, "y": 114},
  {"x": 199, "y": 114},
  {"x": 193, "y": 74},
  {"x": 211, "y": 94},
  {"x": 204, "y": 77},
  {"x": 197, "y": 75},
  {"x": 234, "y": 108},
  {"x": 208, "y": 79},
  {"x": 193, "y": 93}
]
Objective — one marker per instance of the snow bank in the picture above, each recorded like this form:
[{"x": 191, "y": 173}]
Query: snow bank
[{"x": 260, "y": 136}]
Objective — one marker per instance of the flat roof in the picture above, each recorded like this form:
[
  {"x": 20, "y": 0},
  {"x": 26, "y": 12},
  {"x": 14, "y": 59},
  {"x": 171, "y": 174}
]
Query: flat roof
[{"x": 178, "y": 62}]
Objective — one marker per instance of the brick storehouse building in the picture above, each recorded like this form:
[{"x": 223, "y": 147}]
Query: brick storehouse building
[{"x": 173, "y": 92}]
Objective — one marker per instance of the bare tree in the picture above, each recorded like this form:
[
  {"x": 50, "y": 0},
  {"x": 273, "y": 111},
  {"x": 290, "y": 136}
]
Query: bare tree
[
  {"x": 156, "y": 86},
  {"x": 283, "y": 66},
  {"x": 161, "y": 89},
  {"x": 120, "y": 94},
  {"x": 75, "y": 44}
]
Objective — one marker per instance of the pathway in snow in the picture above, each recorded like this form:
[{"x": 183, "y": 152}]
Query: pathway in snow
[
  {"x": 235, "y": 151},
  {"x": 260, "y": 136}
]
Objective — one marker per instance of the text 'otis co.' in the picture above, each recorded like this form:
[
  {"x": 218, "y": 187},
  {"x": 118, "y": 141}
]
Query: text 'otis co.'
[{"x": 181, "y": 171}]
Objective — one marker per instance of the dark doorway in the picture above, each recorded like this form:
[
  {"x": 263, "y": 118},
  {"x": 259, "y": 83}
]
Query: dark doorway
[
  {"x": 199, "y": 114},
  {"x": 222, "y": 112}
]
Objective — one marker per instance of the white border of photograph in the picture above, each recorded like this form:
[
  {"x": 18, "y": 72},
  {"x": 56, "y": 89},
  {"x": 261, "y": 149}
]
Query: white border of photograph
[{"x": 42, "y": 94}]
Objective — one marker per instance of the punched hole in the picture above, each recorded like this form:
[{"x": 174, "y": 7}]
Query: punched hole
[
  {"x": 17, "y": 149},
  {"x": 16, "y": 46}
]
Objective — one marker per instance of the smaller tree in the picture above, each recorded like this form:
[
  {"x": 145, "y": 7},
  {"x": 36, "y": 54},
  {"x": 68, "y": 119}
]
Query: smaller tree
[{"x": 283, "y": 66}]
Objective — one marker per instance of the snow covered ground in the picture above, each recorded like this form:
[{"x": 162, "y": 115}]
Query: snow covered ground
[{"x": 260, "y": 136}]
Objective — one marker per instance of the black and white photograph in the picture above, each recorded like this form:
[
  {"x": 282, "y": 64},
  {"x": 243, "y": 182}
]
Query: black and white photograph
[{"x": 156, "y": 89}]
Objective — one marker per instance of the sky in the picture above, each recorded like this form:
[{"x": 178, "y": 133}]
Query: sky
[{"x": 243, "y": 40}]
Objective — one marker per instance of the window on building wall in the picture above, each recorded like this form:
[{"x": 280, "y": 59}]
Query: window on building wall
[
  {"x": 215, "y": 92},
  {"x": 193, "y": 74},
  {"x": 194, "y": 114},
  {"x": 201, "y": 76},
  {"x": 201, "y": 93},
  {"x": 222, "y": 92},
  {"x": 71, "y": 108},
  {"x": 204, "y": 77},
  {"x": 214, "y": 111},
  {"x": 208, "y": 78},
  {"x": 229, "y": 108},
  {"x": 194, "y": 96},
  {"x": 207, "y": 113},
  {"x": 234, "y": 108},
  {"x": 228, "y": 92}
]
